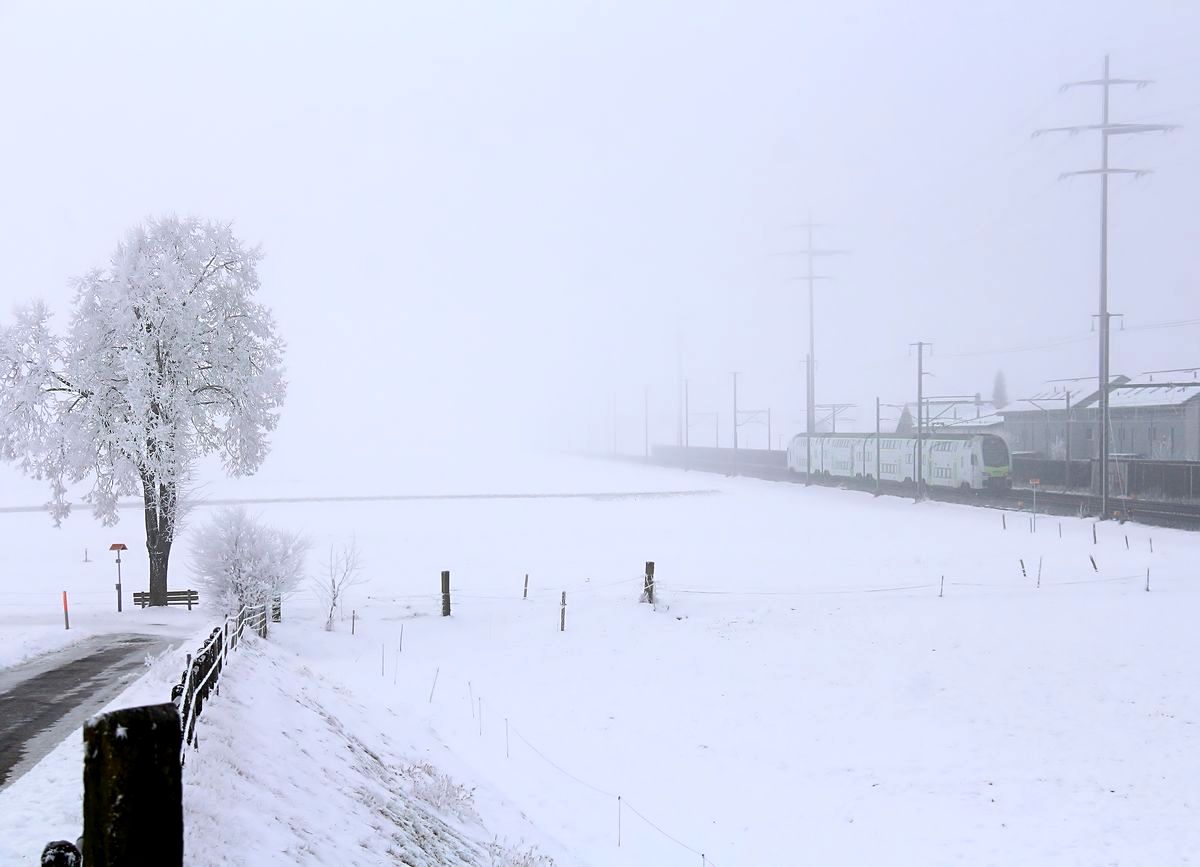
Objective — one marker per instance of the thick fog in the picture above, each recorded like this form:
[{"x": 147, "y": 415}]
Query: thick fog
[{"x": 490, "y": 225}]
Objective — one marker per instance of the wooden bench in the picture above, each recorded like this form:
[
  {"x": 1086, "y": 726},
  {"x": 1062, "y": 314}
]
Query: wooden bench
[{"x": 174, "y": 597}]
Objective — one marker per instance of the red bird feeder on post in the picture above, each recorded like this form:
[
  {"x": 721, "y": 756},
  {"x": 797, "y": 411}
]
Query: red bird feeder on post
[{"x": 118, "y": 547}]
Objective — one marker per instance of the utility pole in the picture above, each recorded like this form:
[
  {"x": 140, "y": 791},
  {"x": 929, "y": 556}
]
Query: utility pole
[
  {"x": 680, "y": 411},
  {"x": 614, "y": 423},
  {"x": 920, "y": 344},
  {"x": 1067, "y": 437},
  {"x": 809, "y": 422},
  {"x": 812, "y": 253},
  {"x": 878, "y": 449},
  {"x": 735, "y": 426},
  {"x": 1106, "y": 128},
  {"x": 646, "y": 421},
  {"x": 687, "y": 415}
]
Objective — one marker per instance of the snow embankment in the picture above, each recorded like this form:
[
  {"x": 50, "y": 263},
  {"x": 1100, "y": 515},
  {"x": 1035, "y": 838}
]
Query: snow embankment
[{"x": 292, "y": 769}]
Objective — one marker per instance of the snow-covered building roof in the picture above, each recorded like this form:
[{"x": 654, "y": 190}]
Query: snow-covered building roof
[
  {"x": 944, "y": 411},
  {"x": 992, "y": 419},
  {"x": 1144, "y": 392},
  {"x": 1124, "y": 392},
  {"x": 1053, "y": 395}
]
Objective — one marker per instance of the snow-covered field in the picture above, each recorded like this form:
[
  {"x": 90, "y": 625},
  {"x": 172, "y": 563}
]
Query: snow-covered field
[{"x": 801, "y": 693}]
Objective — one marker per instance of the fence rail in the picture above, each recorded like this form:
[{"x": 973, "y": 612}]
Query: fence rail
[{"x": 203, "y": 671}]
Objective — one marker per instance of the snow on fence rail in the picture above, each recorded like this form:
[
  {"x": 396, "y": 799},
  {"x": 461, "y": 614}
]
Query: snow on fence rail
[{"x": 203, "y": 671}]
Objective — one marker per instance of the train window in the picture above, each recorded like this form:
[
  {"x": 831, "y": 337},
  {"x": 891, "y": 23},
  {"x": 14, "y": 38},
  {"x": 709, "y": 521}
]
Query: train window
[{"x": 995, "y": 452}]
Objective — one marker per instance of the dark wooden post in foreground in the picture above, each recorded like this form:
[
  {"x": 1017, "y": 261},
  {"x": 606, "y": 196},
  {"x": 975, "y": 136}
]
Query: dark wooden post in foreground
[
  {"x": 132, "y": 788},
  {"x": 446, "y": 594},
  {"x": 648, "y": 589}
]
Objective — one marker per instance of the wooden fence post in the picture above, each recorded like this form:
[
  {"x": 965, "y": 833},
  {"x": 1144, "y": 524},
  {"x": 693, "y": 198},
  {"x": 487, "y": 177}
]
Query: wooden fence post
[
  {"x": 132, "y": 788},
  {"x": 525, "y": 595},
  {"x": 562, "y": 615},
  {"x": 648, "y": 588},
  {"x": 446, "y": 594}
]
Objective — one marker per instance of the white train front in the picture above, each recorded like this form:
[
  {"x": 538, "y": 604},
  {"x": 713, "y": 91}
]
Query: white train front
[{"x": 974, "y": 461}]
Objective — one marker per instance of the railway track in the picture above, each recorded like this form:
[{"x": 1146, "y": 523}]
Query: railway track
[{"x": 772, "y": 466}]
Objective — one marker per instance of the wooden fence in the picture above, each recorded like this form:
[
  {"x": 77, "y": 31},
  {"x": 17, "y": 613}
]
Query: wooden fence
[
  {"x": 203, "y": 671},
  {"x": 135, "y": 756}
]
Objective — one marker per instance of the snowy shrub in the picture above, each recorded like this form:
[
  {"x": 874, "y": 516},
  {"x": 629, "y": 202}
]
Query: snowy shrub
[
  {"x": 240, "y": 560},
  {"x": 503, "y": 855},
  {"x": 439, "y": 791}
]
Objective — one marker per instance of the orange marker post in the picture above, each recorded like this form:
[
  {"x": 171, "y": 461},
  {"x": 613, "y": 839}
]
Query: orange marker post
[{"x": 66, "y": 616}]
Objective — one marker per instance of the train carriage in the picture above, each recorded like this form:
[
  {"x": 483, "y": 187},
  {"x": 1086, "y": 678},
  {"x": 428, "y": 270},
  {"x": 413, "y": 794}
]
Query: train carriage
[{"x": 974, "y": 461}]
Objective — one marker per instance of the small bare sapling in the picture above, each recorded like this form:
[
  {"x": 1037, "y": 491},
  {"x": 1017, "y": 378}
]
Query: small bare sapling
[{"x": 345, "y": 570}]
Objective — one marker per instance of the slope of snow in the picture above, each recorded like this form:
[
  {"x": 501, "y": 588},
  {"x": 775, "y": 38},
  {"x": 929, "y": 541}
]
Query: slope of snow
[{"x": 293, "y": 769}]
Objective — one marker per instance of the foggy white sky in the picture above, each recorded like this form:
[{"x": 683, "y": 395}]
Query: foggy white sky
[{"x": 484, "y": 220}]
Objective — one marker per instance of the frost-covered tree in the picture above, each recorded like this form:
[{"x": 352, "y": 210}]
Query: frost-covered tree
[
  {"x": 240, "y": 560},
  {"x": 167, "y": 357},
  {"x": 905, "y": 424},
  {"x": 999, "y": 391}
]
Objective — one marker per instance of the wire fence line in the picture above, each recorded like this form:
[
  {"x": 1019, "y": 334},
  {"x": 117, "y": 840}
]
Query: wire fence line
[
  {"x": 936, "y": 586},
  {"x": 622, "y": 802},
  {"x": 667, "y": 589}
]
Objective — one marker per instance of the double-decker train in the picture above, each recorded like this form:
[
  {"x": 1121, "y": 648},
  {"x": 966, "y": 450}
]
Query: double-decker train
[{"x": 974, "y": 461}]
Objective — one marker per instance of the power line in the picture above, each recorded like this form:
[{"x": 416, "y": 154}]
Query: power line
[{"x": 834, "y": 409}]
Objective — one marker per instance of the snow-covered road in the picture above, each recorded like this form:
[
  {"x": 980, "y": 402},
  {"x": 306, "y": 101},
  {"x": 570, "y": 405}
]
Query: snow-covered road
[{"x": 46, "y": 699}]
